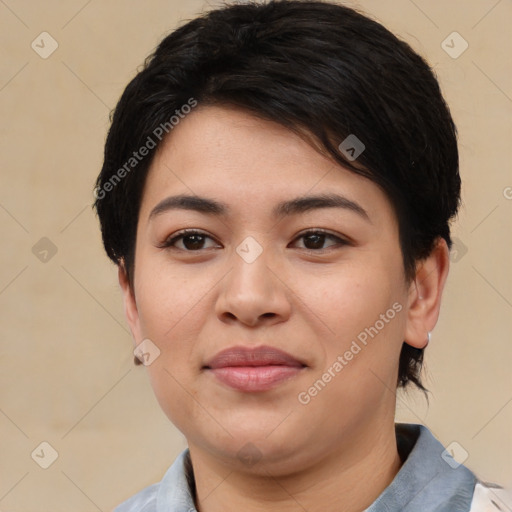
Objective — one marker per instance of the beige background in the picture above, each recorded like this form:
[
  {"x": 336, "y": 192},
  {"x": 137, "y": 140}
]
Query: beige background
[{"x": 67, "y": 375}]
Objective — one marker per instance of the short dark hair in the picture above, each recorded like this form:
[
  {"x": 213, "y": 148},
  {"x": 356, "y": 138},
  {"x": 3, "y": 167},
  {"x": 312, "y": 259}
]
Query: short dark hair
[{"x": 318, "y": 68}]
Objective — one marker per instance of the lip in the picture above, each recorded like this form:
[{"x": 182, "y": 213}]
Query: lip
[{"x": 253, "y": 369}]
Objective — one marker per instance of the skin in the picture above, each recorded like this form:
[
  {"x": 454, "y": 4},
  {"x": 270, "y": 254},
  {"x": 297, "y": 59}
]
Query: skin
[{"x": 337, "y": 452}]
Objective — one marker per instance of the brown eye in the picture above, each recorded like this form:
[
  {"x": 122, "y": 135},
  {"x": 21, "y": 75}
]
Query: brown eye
[
  {"x": 188, "y": 241},
  {"x": 193, "y": 242},
  {"x": 315, "y": 240}
]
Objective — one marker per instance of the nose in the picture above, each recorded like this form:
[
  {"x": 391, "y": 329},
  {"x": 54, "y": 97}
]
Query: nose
[{"x": 253, "y": 293}]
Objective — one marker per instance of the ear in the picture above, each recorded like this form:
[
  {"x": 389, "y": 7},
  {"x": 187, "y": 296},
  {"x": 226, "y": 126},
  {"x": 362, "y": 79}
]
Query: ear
[
  {"x": 130, "y": 305},
  {"x": 425, "y": 293}
]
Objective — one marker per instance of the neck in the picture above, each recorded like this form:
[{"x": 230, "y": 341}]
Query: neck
[{"x": 349, "y": 480}]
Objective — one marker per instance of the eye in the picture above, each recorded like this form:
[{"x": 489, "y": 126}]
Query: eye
[
  {"x": 314, "y": 240},
  {"x": 191, "y": 240},
  {"x": 188, "y": 240}
]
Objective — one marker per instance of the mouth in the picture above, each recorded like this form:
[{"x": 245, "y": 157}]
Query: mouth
[{"x": 253, "y": 369}]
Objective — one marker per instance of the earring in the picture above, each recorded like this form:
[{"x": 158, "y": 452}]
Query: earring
[{"x": 429, "y": 336}]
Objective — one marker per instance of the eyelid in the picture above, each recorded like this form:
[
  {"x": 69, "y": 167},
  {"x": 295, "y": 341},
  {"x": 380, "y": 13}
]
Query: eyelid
[{"x": 322, "y": 232}]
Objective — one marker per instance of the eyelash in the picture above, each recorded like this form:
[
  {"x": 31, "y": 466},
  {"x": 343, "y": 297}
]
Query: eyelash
[{"x": 169, "y": 242}]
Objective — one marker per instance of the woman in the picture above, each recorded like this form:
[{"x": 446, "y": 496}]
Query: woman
[{"x": 277, "y": 189}]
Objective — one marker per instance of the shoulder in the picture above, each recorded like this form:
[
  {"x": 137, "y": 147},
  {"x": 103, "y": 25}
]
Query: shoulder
[
  {"x": 174, "y": 492},
  {"x": 143, "y": 501}
]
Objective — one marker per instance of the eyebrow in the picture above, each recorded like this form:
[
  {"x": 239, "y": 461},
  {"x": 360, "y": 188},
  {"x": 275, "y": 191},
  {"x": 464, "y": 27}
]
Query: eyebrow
[
  {"x": 308, "y": 203},
  {"x": 284, "y": 209},
  {"x": 194, "y": 203}
]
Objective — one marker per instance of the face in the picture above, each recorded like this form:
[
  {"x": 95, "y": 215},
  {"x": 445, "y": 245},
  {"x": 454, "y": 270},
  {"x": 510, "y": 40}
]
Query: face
[{"x": 279, "y": 322}]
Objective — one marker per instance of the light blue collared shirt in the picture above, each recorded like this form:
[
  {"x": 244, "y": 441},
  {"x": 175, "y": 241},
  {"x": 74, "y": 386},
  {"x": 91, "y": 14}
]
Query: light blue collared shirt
[{"x": 428, "y": 481}]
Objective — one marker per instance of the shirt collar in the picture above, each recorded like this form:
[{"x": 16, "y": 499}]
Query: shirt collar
[{"x": 429, "y": 480}]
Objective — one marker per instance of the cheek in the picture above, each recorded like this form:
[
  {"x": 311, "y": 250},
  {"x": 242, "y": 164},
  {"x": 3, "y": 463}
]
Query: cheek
[
  {"x": 168, "y": 299},
  {"x": 349, "y": 298},
  {"x": 169, "y": 305},
  {"x": 364, "y": 310},
  {"x": 363, "y": 306}
]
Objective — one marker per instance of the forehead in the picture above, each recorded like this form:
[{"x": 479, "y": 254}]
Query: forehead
[
  {"x": 234, "y": 141},
  {"x": 233, "y": 156}
]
